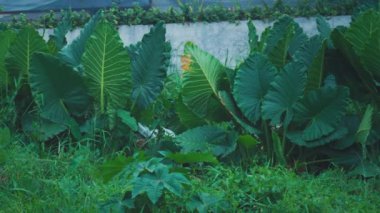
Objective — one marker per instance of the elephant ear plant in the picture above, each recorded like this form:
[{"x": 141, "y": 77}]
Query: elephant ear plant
[
  {"x": 277, "y": 94},
  {"x": 62, "y": 88},
  {"x": 357, "y": 48}
]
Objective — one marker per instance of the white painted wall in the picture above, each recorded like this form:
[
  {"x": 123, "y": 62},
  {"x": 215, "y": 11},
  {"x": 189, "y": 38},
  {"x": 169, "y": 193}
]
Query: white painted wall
[{"x": 223, "y": 39}]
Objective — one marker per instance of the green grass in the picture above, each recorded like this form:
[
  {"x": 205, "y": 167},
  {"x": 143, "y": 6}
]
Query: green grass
[
  {"x": 263, "y": 188},
  {"x": 68, "y": 182},
  {"x": 55, "y": 183}
]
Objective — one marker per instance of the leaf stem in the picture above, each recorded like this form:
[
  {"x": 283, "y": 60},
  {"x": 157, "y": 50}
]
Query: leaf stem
[{"x": 268, "y": 141}]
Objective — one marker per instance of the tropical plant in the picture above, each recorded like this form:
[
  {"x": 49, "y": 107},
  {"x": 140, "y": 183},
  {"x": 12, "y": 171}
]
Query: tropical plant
[
  {"x": 276, "y": 94},
  {"x": 359, "y": 44},
  {"x": 73, "y": 52},
  {"x": 62, "y": 88},
  {"x": 55, "y": 88},
  {"x": 107, "y": 68},
  {"x": 357, "y": 49},
  {"x": 5, "y": 43},
  {"x": 148, "y": 77},
  {"x": 26, "y": 43}
]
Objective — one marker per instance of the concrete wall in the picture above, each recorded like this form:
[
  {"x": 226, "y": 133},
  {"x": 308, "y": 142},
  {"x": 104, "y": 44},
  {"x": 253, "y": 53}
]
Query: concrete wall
[{"x": 227, "y": 41}]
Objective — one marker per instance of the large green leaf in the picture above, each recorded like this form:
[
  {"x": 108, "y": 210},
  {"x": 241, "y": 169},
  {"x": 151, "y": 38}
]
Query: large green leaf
[
  {"x": 362, "y": 29},
  {"x": 58, "y": 38},
  {"x": 262, "y": 44},
  {"x": 297, "y": 138},
  {"x": 62, "y": 88},
  {"x": 286, "y": 89},
  {"x": 366, "y": 169},
  {"x": 324, "y": 30},
  {"x": 127, "y": 119},
  {"x": 298, "y": 40},
  {"x": 27, "y": 42},
  {"x": 186, "y": 116},
  {"x": 312, "y": 54},
  {"x": 107, "y": 68},
  {"x": 248, "y": 142},
  {"x": 371, "y": 56},
  {"x": 6, "y": 38},
  {"x": 278, "y": 41},
  {"x": 202, "y": 77},
  {"x": 229, "y": 103},
  {"x": 346, "y": 48},
  {"x": 364, "y": 36},
  {"x": 253, "y": 39},
  {"x": 72, "y": 53},
  {"x": 151, "y": 58},
  {"x": 351, "y": 123},
  {"x": 320, "y": 111},
  {"x": 42, "y": 129},
  {"x": 113, "y": 167},
  {"x": 208, "y": 139},
  {"x": 153, "y": 184},
  {"x": 252, "y": 83}
]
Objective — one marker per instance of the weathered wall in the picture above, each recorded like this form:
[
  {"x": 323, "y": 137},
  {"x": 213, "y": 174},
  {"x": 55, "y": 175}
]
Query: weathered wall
[{"x": 226, "y": 41}]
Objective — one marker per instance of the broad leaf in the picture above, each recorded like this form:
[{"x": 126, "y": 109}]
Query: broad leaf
[
  {"x": 6, "y": 38},
  {"x": 27, "y": 42},
  {"x": 351, "y": 123},
  {"x": 58, "y": 38},
  {"x": 186, "y": 116},
  {"x": 321, "y": 111},
  {"x": 62, "y": 88},
  {"x": 362, "y": 29},
  {"x": 208, "y": 139},
  {"x": 127, "y": 119},
  {"x": 252, "y": 83},
  {"x": 113, "y": 167},
  {"x": 346, "y": 48},
  {"x": 229, "y": 103},
  {"x": 286, "y": 90},
  {"x": 278, "y": 41},
  {"x": 72, "y": 53},
  {"x": 371, "y": 56},
  {"x": 364, "y": 36},
  {"x": 298, "y": 40},
  {"x": 324, "y": 30},
  {"x": 297, "y": 138},
  {"x": 262, "y": 45},
  {"x": 107, "y": 68},
  {"x": 366, "y": 169},
  {"x": 247, "y": 141},
  {"x": 151, "y": 58},
  {"x": 154, "y": 184},
  {"x": 253, "y": 39},
  {"x": 41, "y": 128},
  {"x": 312, "y": 54},
  {"x": 202, "y": 77}
]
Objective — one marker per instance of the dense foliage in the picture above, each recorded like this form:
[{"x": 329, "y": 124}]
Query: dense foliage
[
  {"x": 196, "y": 11},
  {"x": 153, "y": 138}
]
